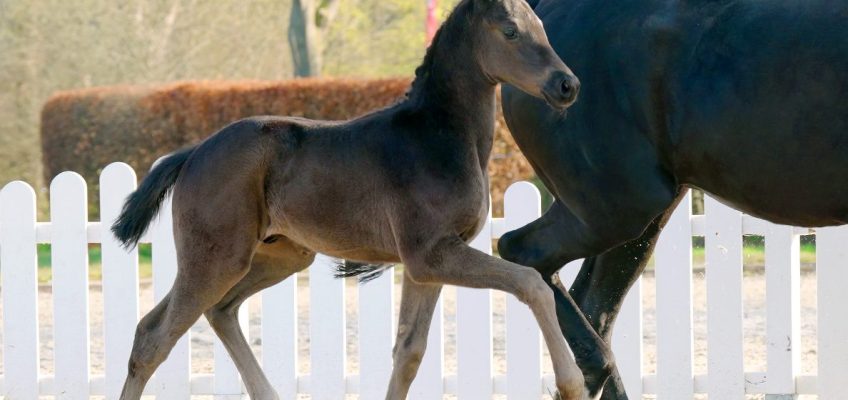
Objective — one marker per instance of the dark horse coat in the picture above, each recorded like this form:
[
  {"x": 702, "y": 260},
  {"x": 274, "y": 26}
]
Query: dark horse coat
[{"x": 747, "y": 100}]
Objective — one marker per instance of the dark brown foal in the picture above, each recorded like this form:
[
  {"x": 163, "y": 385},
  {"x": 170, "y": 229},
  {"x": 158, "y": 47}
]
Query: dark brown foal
[{"x": 254, "y": 203}]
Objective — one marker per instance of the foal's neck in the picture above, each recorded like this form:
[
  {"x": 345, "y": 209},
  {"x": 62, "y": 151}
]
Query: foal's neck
[{"x": 450, "y": 88}]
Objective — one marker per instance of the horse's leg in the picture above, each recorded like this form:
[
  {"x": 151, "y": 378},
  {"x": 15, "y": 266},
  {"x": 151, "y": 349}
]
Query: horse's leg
[
  {"x": 201, "y": 281},
  {"x": 451, "y": 261},
  {"x": 271, "y": 264},
  {"x": 604, "y": 280},
  {"x": 418, "y": 301}
]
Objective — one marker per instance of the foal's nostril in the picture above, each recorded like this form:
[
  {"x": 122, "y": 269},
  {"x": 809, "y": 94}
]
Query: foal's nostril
[
  {"x": 570, "y": 86},
  {"x": 565, "y": 87}
]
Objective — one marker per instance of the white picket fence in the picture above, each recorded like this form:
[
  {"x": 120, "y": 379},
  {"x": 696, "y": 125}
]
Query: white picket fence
[{"x": 69, "y": 232}]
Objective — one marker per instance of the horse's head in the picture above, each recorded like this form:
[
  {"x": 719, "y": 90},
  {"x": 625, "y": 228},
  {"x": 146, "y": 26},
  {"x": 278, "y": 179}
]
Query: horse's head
[{"x": 512, "y": 47}]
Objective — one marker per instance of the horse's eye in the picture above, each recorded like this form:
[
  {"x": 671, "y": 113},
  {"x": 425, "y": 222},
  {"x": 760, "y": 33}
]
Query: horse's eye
[{"x": 510, "y": 33}]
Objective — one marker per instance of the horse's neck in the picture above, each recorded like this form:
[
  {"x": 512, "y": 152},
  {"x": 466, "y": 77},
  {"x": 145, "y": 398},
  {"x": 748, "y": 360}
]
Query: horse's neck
[{"x": 450, "y": 88}]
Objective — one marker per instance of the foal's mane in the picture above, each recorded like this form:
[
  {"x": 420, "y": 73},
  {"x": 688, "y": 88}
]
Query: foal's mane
[{"x": 450, "y": 30}]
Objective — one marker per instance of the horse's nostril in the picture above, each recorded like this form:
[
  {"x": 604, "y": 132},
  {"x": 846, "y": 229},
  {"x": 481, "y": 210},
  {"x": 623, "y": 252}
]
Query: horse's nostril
[
  {"x": 569, "y": 87},
  {"x": 565, "y": 87}
]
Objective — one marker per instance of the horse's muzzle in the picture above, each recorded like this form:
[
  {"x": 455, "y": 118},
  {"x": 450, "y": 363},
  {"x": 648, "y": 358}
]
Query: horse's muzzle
[{"x": 561, "y": 89}]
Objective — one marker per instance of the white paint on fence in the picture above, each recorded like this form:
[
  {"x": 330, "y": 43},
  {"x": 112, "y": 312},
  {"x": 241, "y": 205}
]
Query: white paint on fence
[
  {"x": 474, "y": 332},
  {"x": 69, "y": 214},
  {"x": 119, "y": 277},
  {"x": 326, "y": 331},
  {"x": 69, "y": 232},
  {"x": 723, "y": 243},
  {"x": 627, "y": 341},
  {"x": 169, "y": 380},
  {"x": 783, "y": 295},
  {"x": 377, "y": 323},
  {"x": 832, "y": 275},
  {"x": 20, "y": 291},
  {"x": 522, "y": 204},
  {"x": 429, "y": 383},
  {"x": 279, "y": 336},
  {"x": 673, "y": 269}
]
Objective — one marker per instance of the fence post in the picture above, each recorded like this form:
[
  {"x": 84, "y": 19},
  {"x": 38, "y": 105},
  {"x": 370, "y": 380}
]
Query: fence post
[
  {"x": 783, "y": 311},
  {"x": 474, "y": 331},
  {"x": 172, "y": 378},
  {"x": 120, "y": 279},
  {"x": 723, "y": 245},
  {"x": 522, "y": 205},
  {"x": 19, "y": 267},
  {"x": 627, "y": 341},
  {"x": 326, "y": 331},
  {"x": 376, "y": 333},
  {"x": 279, "y": 336},
  {"x": 831, "y": 275},
  {"x": 69, "y": 262},
  {"x": 673, "y": 271}
]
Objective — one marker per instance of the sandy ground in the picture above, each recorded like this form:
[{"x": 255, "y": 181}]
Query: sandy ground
[{"x": 754, "y": 323}]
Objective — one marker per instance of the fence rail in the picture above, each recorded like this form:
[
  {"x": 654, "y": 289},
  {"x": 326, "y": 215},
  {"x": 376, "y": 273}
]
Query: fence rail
[{"x": 69, "y": 232}]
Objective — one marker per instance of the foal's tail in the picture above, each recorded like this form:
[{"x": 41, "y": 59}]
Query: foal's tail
[{"x": 143, "y": 204}]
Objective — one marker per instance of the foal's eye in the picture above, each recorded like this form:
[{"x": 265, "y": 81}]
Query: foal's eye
[{"x": 510, "y": 33}]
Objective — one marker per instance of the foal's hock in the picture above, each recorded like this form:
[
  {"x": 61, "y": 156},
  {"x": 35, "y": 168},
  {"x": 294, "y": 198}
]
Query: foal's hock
[{"x": 254, "y": 203}]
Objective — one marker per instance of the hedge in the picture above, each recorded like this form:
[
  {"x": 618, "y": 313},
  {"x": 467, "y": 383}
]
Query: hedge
[{"x": 85, "y": 130}]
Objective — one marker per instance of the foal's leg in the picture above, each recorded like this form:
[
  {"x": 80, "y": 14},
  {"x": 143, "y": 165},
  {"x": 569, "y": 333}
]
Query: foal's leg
[
  {"x": 418, "y": 301},
  {"x": 201, "y": 282},
  {"x": 271, "y": 264},
  {"x": 451, "y": 261}
]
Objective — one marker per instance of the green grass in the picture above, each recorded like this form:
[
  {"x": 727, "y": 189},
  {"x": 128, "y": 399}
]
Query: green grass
[
  {"x": 755, "y": 254},
  {"x": 45, "y": 273}
]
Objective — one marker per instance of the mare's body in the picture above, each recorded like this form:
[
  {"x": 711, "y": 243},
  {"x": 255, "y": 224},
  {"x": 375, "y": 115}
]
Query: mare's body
[
  {"x": 254, "y": 203},
  {"x": 743, "y": 99}
]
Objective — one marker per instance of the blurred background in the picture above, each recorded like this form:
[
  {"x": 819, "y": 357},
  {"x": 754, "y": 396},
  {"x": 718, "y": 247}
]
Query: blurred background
[{"x": 52, "y": 45}]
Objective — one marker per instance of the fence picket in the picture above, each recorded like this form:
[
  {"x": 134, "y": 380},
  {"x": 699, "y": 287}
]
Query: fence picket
[
  {"x": 831, "y": 275},
  {"x": 783, "y": 300},
  {"x": 19, "y": 268},
  {"x": 326, "y": 330},
  {"x": 170, "y": 379},
  {"x": 723, "y": 244},
  {"x": 279, "y": 336},
  {"x": 474, "y": 332},
  {"x": 69, "y": 233},
  {"x": 69, "y": 263},
  {"x": 376, "y": 332},
  {"x": 119, "y": 278},
  {"x": 627, "y": 341},
  {"x": 522, "y": 204},
  {"x": 429, "y": 383},
  {"x": 226, "y": 382},
  {"x": 673, "y": 271}
]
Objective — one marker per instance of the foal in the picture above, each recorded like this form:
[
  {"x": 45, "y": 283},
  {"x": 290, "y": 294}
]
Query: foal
[{"x": 253, "y": 203}]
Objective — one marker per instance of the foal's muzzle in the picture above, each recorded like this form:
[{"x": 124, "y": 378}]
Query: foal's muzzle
[{"x": 561, "y": 89}]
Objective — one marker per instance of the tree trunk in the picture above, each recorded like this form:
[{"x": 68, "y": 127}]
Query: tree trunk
[{"x": 308, "y": 21}]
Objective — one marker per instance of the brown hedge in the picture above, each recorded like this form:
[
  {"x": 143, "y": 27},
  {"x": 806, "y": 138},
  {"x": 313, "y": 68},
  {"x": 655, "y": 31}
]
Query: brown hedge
[{"x": 85, "y": 130}]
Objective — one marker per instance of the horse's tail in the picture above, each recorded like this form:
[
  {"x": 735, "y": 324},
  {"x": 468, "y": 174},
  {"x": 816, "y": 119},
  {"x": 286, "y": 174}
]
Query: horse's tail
[
  {"x": 365, "y": 272},
  {"x": 143, "y": 204}
]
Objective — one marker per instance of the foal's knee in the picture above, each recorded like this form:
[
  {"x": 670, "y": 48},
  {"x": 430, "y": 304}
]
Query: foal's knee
[
  {"x": 145, "y": 352},
  {"x": 408, "y": 355},
  {"x": 532, "y": 289}
]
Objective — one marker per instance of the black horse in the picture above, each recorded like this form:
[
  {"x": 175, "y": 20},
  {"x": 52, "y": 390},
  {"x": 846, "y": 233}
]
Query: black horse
[{"x": 747, "y": 100}]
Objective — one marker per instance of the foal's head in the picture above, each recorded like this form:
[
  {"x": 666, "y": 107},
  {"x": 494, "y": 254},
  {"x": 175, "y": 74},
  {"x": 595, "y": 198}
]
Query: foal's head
[{"x": 511, "y": 47}]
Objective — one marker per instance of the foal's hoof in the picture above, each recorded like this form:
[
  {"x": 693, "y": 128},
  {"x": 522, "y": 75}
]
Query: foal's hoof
[{"x": 584, "y": 395}]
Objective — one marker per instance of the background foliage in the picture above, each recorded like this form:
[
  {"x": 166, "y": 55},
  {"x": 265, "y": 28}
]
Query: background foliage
[
  {"x": 52, "y": 45},
  {"x": 85, "y": 130}
]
